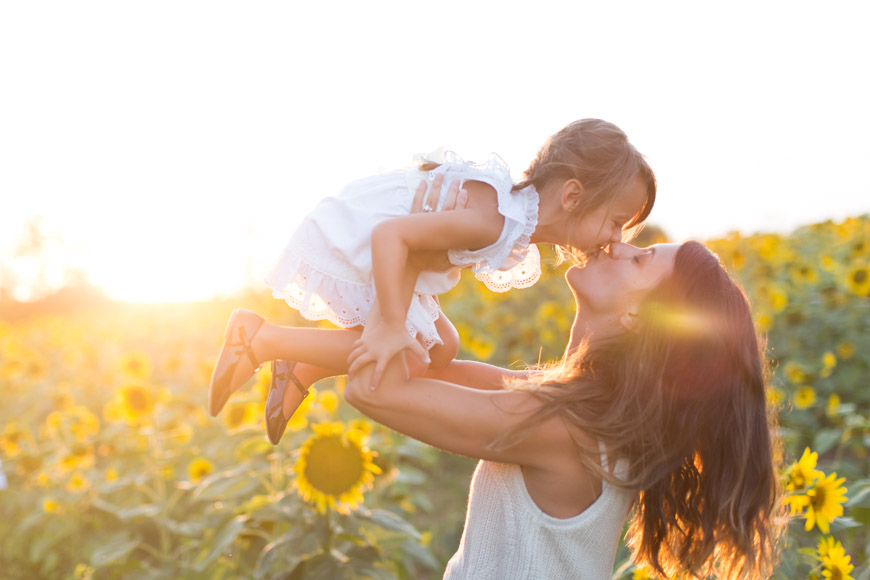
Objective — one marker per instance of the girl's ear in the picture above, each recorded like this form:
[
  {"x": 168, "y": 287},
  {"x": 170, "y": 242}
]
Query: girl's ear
[
  {"x": 630, "y": 321},
  {"x": 572, "y": 194}
]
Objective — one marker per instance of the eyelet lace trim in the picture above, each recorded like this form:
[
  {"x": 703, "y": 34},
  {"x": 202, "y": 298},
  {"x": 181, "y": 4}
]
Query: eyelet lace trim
[
  {"x": 517, "y": 265},
  {"x": 319, "y": 296}
]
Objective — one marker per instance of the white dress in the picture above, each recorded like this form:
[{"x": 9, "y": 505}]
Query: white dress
[{"x": 325, "y": 271}]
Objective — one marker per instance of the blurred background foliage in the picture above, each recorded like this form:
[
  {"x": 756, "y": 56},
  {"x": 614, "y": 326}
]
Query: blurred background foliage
[{"x": 111, "y": 467}]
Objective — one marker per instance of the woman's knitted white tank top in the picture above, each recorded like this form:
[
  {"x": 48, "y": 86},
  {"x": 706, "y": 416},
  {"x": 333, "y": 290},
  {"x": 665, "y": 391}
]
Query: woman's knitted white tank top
[{"x": 508, "y": 537}]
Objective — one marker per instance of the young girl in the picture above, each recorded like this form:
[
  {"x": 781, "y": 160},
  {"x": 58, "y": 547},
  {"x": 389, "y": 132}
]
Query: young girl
[{"x": 362, "y": 259}]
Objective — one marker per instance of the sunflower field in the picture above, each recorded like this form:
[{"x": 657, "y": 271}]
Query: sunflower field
[{"x": 112, "y": 469}]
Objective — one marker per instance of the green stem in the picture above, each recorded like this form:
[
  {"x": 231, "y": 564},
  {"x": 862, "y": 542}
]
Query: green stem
[{"x": 327, "y": 544}]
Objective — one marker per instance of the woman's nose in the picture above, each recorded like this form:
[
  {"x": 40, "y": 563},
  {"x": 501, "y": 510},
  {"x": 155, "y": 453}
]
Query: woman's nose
[{"x": 619, "y": 250}]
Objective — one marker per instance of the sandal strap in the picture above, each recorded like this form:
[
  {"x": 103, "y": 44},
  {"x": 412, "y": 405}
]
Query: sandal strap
[
  {"x": 244, "y": 347},
  {"x": 296, "y": 382}
]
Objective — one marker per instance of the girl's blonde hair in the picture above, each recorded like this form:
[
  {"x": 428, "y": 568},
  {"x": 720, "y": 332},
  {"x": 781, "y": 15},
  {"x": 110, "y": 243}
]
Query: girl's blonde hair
[
  {"x": 598, "y": 155},
  {"x": 682, "y": 404}
]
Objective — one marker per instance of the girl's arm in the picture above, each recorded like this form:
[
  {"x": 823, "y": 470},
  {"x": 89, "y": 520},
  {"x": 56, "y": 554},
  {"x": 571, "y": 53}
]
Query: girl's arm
[
  {"x": 393, "y": 241},
  {"x": 459, "y": 419}
]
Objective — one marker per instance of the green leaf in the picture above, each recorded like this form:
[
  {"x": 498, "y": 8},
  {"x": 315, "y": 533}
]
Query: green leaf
[
  {"x": 860, "y": 499},
  {"x": 825, "y": 440},
  {"x": 291, "y": 548},
  {"x": 226, "y": 487},
  {"x": 389, "y": 521},
  {"x": 220, "y": 542},
  {"x": 113, "y": 550},
  {"x": 420, "y": 554},
  {"x": 364, "y": 552},
  {"x": 125, "y": 513},
  {"x": 322, "y": 567},
  {"x": 189, "y": 528},
  {"x": 279, "y": 554},
  {"x": 844, "y": 523}
]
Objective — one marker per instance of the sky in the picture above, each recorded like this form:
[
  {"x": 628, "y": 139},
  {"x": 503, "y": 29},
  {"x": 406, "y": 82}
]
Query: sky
[{"x": 168, "y": 148}]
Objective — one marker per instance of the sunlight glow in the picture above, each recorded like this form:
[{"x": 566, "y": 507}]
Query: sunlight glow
[{"x": 174, "y": 146}]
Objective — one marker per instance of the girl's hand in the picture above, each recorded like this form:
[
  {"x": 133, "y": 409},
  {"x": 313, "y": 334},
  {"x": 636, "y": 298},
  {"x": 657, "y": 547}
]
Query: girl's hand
[{"x": 380, "y": 342}]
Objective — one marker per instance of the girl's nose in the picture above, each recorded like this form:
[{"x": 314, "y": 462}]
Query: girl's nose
[{"x": 616, "y": 235}]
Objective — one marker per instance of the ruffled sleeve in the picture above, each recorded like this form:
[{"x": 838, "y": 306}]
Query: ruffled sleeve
[{"x": 511, "y": 262}]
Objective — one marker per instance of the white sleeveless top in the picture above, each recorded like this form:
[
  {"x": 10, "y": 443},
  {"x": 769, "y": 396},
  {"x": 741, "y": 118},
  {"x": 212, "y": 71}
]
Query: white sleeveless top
[
  {"x": 325, "y": 271},
  {"x": 508, "y": 537}
]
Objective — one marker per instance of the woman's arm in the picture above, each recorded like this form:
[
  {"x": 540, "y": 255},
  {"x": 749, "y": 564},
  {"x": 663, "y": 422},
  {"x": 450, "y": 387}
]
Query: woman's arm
[{"x": 459, "y": 419}]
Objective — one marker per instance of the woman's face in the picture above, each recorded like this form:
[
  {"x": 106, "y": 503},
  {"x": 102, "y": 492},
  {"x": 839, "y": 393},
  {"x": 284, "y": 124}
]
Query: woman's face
[{"x": 612, "y": 282}]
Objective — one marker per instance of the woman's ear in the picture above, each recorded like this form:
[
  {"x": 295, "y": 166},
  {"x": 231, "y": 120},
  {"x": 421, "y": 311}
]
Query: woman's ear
[
  {"x": 572, "y": 194},
  {"x": 630, "y": 321}
]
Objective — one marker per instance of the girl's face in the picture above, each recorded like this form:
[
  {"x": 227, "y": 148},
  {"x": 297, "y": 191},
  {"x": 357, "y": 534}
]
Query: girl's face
[
  {"x": 604, "y": 224},
  {"x": 611, "y": 283}
]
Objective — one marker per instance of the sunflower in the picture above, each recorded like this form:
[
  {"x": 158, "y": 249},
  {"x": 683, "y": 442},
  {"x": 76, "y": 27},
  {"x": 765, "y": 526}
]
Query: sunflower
[
  {"x": 51, "y": 505},
  {"x": 328, "y": 401},
  {"x": 804, "y": 274},
  {"x": 640, "y": 574},
  {"x": 11, "y": 439},
  {"x": 836, "y": 565},
  {"x": 135, "y": 365},
  {"x": 825, "y": 502},
  {"x": 83, "y": 423},
  {"x": 858, "y": 281},
  {"x": 77, "y": 483},
  {"x": 804, "y": 397},
  {"x": 778, "y": 299},
  {"x": 799, "y": 476},
  {"x": 137, "y": 402},
  {"x": 199, "y": 468},
  {"x": 79, "y": 457},
  {"x": 846, "y": 350},
  {"x": 238, "y": 415},
  {"x": 334, "y": 467},
  {"x": 775, "y": 396},
  {"x": 833, "y": 406},
  {"x": 795, "y": 372}
]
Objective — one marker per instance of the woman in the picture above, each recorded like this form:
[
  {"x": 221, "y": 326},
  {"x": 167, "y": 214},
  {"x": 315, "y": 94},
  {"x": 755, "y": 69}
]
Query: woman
[{"x": 659, "y": 403}]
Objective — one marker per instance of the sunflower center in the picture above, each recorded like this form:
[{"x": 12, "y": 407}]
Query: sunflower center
[
  {"x": 817, "y": 499},
  {"x": 860, "y": 276},
  {"x": 137, "y": 400},
  {"x": 798, "y": 480},
  {"x": 236, "y": 415},
  {"x": 335, "y": 466}
]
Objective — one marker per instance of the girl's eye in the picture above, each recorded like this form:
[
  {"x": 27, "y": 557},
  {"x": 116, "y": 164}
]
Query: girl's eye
[{"x": 636, "y": 259}]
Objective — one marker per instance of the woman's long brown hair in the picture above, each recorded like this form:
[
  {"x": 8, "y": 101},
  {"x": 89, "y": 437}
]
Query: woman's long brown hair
[{"x": 682, "y": 403}]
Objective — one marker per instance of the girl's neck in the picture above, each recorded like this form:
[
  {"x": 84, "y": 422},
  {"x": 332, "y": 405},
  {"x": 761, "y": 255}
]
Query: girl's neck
[{"x": 552, "y": 220}]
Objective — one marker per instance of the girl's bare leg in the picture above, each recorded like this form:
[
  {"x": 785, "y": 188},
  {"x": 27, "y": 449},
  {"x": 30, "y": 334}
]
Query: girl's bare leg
[
  {"x": 320, "y": 347},
  {"x": 442, "y": 354}
]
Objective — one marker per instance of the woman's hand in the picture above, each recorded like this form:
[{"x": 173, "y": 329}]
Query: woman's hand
[
  {"x": 425, "y": 200},
  {"x": 380, "y": 342},
  {"x": 427, "y": 197}
]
